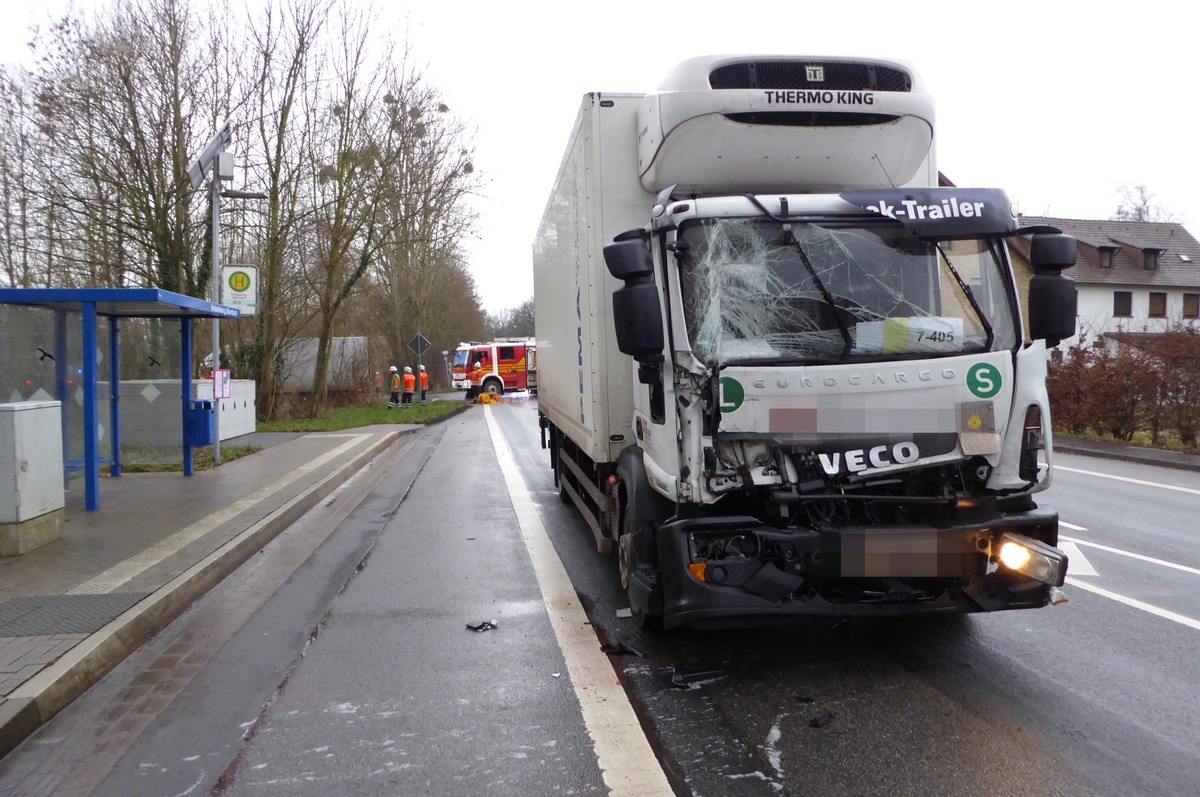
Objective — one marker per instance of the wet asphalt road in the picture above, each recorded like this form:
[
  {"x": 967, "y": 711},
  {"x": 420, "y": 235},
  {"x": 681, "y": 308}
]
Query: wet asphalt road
[
  {"x": 392, "y": 696},
  {"x": 1090, "y": 698}
]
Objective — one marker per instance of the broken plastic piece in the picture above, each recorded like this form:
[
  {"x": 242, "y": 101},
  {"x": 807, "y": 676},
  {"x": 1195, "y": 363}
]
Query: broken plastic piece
[
  {"x": 693, "y": 680},
  {"x": 626, "y": 612},
  {"x": 821, "y": 720},
  {"x": 482, "y": 625},
  {"x": 1057, "y": 596},
  {"x": 621, "y": 649}
]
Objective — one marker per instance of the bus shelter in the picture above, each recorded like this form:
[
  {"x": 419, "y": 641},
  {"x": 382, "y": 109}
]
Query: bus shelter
[{"x": 91, "y": 305}]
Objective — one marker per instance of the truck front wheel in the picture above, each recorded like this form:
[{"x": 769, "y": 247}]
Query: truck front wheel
[
  {"x": 639, "y": 509},
  {"x": 493, "y": 387}
]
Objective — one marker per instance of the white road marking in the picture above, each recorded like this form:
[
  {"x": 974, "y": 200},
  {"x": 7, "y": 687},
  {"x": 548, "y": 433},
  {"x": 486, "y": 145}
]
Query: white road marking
[
  {"x": 626, "y": 760},
  {"x": 1081, "y": 567},
  {"x": 1184, "y": 568},
  {"x": 112, "y": 578},
  {"x": 1140, "y": 482},
  {"x": 1078, "y": 564},
  {"x": 1137, "y": 604}
]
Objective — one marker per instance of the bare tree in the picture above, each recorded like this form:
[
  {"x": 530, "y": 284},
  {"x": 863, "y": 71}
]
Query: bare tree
[
  {"x": 516, "y": 322},
  {"x": 350, "y": 155},
  {"x": 366, "y": 172},
  {"x": 1137, "y": 204},
  {"x": 18, "y": 196},
  {"x": 433, "y": 175},
  {"x": 284, "y": 39},
  {"x": 118, "y": 100}
]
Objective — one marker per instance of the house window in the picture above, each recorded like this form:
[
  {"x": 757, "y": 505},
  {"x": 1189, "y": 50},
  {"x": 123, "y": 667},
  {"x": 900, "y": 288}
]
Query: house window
[
  {"x": 1106, "y": 258},
  {"x": 1158, "y": 305},
  {"x": 1150, "y": 259},
  {"x": 1122, "y": 304},
  {"x": 1191, "y": 305}
]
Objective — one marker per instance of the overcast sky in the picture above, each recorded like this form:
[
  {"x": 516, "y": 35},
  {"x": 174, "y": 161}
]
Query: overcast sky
[{"x": 1059, "y": 107}]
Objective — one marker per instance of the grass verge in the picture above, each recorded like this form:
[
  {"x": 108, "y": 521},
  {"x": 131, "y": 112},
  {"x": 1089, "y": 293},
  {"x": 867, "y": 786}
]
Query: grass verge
[
  {"x": 202, "y": 459},
  {"x": 354, "y": 417}
]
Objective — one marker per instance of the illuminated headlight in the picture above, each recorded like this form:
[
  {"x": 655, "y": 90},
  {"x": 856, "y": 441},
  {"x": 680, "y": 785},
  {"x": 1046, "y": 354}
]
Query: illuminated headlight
[{"x": 1032, "y": 558}]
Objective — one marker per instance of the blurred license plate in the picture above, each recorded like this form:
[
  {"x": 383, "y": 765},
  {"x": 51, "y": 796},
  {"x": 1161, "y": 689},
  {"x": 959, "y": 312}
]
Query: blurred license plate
[{"x": 901, "y": 554}]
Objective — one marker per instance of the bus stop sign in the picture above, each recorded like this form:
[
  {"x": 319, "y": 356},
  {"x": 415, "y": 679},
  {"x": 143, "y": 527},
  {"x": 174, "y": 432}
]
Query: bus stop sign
[{"x": 419, "y": 344}]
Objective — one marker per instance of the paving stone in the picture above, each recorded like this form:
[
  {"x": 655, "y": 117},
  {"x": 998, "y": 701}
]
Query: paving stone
[{"x": 43, "y": 615}]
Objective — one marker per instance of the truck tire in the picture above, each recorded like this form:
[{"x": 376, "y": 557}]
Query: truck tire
[
  {"x": 626, "y": 563},
  {"x": 641, "y": 510},
  {"x": 493, "y": 386}
]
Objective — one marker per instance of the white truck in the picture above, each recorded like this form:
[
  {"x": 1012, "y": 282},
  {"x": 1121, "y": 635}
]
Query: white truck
[{"x": 783, "y": 372}]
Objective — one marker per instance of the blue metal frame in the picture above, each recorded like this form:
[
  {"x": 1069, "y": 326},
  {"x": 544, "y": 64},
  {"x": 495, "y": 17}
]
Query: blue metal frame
[
  {"x": 120, "y": 302},
  {"x": 112, "y": 303},
  {"x": 114, "y": 403},
  {"x": 185, "y": 333}
]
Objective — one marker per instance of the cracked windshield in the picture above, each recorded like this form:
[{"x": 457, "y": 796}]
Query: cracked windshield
[{"x": 759, "y": 291}]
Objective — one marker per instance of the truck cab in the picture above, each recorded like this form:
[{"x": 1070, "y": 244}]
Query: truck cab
[{"x": 841, "y": 404}]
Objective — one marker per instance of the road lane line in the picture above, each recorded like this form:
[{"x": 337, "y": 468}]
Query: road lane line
[
  {"x": 1194, "y": 571},
  {"x": 1137, "y": 604},
  {"x": 627, "y": 762},
  {"x": 112, "y": 578},
  {"x": 1079, "y": 565},
  {"x": 1071, "y": 527},
  {"x": 1140, "y": 482}
]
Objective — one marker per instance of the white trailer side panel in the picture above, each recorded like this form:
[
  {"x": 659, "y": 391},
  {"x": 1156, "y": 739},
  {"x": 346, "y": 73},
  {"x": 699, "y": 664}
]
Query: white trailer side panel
[{"x": 585, "y": 385}]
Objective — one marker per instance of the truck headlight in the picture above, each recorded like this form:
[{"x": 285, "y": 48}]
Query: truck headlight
[{"x": 1032, "y": 558}]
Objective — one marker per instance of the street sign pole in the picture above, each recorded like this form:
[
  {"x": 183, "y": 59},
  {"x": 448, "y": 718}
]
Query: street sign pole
[
  {"x": 216, "y": 158},
  {"x": 419, "y": 345},
  {"x": 216, "y": 299}
]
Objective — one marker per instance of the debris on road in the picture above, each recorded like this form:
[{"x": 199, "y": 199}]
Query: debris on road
[
  {"x": 623, "y": 613},
  {"x": 821, "y": 720},
  {"x": 621, "y": 649},
  {"x": 483, "y": 625},
  {"x": 694, "y": 680}
]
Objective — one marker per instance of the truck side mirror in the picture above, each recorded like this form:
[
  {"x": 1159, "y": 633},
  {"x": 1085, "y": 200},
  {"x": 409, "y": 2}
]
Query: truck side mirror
[
  {"x": 637, "y": 312},
  {"x": 1052, "y": 252},
  {"x": 627, "y": 260},
  {"x": 1052, "y": 297}
]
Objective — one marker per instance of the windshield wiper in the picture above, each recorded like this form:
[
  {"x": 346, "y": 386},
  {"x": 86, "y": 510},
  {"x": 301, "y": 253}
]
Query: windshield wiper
[
  {"x": 845, "y": 330},
  {"x": 847, "y": 339},
  {"x": 966, "y": 289}
]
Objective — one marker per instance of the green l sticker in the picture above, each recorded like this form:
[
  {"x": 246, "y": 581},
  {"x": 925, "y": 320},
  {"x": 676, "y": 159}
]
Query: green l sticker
[{"x": 731, "y": 394}]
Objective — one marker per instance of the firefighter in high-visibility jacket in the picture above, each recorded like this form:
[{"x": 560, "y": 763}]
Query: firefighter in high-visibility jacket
[
  {"x": 394, "y": 383},
  {"x": 424, "y": 384},
  {"x": 410, "y": 386},
  {"x": 476, "y": 377}
]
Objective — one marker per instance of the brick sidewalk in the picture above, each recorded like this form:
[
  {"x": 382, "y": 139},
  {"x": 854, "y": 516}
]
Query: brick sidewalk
[{"x": 157, "y": 543}]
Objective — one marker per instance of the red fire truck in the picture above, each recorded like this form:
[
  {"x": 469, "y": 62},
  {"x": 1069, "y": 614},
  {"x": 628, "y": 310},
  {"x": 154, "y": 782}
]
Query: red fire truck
[
  {"x": 460, "y": 367},
  {"x": 509, "y": 365}
]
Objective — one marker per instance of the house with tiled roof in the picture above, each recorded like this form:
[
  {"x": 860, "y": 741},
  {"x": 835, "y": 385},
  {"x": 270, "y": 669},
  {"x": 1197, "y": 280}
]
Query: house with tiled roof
[{"x": 1131, "y": 276}]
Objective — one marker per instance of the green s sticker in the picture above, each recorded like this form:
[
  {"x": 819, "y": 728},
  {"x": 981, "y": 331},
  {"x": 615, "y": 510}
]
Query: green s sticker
[{"x": 984, "y": 380}]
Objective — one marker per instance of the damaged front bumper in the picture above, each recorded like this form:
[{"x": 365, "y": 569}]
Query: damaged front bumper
[{"x": 738, "y": 571}]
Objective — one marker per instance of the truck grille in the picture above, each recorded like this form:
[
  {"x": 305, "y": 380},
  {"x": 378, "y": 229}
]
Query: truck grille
[{"x": 839, "y": 76}]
